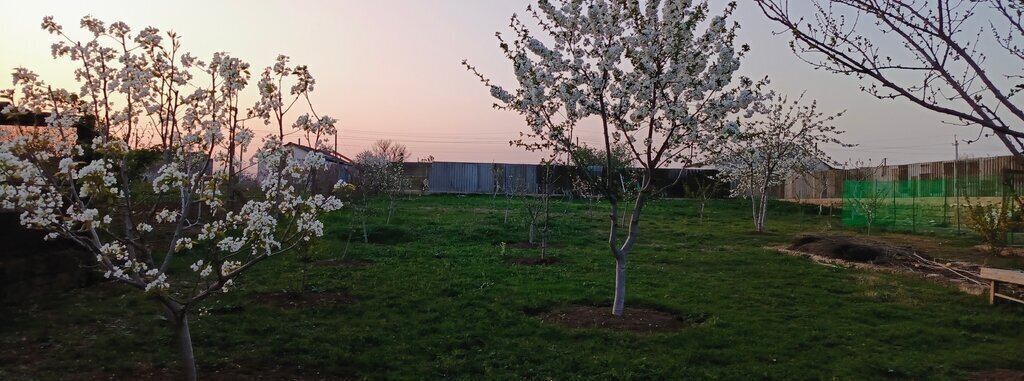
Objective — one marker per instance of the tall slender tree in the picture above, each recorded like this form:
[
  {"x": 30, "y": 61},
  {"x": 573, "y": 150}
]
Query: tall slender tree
[
  {"x": 658, "y": 76},
  {"x": 784, "y": 140}
]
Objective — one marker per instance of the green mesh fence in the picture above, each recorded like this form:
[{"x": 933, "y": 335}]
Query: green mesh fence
[{"x": 917, "y": 205}]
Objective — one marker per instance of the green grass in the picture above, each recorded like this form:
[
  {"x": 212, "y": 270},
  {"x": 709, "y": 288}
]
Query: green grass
[{"x": 440, "y": 301}]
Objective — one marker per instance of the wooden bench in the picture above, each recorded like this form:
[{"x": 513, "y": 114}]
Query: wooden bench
[{"x": 996, "y": 276}]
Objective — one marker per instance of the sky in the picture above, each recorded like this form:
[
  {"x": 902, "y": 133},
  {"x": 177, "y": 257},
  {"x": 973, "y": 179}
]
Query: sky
[{"x": 392, "y": 69}]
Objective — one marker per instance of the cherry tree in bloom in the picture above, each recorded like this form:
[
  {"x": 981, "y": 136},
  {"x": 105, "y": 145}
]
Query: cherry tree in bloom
[
  {"x": 658, "y": 76},
  {"x": 172, "y": 236},
  {"x": 781, "y": 142}
]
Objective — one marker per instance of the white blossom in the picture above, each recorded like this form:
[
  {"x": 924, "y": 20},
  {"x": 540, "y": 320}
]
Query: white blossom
[
  {"x": 183, "y": 244},
  {"x": 167, "y": 216},
  {"x": 148, "y": 93}
]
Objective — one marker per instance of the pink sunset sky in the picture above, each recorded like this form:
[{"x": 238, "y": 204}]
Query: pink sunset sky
[{"x": 391, "y": 69}]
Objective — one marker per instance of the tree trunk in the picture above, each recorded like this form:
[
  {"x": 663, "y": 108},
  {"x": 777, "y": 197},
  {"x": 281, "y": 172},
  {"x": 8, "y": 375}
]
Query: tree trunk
[
  {"x": 532, "y": 229},
  {"x": 702, "y": 203},
  {"x": 366, "y": 234},
  {"x": 391, "y": 209},
  {"x": 179, "y": 322},
  {"x": 546, "y": 229},
  {"x": 753, "y": 208},
  {"x": 762, "y": 210},
  {"x": 348, "y": 242},
  {"x": 619, "y": 304}
]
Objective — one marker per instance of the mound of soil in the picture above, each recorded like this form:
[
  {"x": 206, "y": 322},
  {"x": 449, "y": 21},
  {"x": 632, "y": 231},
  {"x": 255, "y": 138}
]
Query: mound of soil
[
  {"x": 880, "y": 256},
  {"x": 533, "y": 261},
  {"x": 309, "y": 299},
  {"x": 634, "y": 319},
  {"x": 849, "y": 249}
]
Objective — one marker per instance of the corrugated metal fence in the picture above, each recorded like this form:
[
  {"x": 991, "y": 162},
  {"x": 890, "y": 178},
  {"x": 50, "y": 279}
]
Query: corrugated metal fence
[
  {"x": 461, "y": 178},
  {"x": 484, "y": 178}
]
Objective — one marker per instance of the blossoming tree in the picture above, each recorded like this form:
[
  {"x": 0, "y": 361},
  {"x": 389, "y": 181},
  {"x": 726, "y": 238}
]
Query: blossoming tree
[
  {"x": 172, "y": 237},
  {"x": 382, "y": 172},
  {"x": 658, "y": 76},
  {"x": 781, "y": 142}
]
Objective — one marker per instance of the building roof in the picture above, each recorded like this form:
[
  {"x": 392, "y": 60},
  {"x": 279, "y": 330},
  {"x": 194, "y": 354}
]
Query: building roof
[{"x": 332, "y": 155}]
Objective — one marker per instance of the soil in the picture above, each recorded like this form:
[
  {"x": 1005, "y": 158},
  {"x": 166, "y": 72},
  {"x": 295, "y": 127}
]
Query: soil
[
  {"x": 998, "y": 375},
  {"x": 309, "y": 299},
  {"x": 851, "y": 249},
  {"x": 947, "y": 247},
  {"x": 1000, "y": 251},
  {"x": 533, "y": 261},
  {"x": 634, "y": 319},
  {"x": 881, "y": 256},
  {"x": 343, "y": 262}
]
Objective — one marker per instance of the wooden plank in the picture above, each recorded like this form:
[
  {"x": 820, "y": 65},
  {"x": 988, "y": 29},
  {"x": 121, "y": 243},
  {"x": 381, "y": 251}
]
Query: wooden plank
[
  {"x": 1008, "y": 276},
  {"x": 992, "y": 292},
  {"x": 1009, "y": 298}
]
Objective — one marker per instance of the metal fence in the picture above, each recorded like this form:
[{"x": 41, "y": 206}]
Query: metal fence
[
  {"x": 491, "y": 178},
  {"x": 916, "y": 205}
]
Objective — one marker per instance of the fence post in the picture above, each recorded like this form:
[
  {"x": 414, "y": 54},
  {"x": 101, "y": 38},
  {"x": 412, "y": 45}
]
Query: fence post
[
  {"x": 945, "y": 204},
  {"x": 913, "y": 208},
  {"x": 956, "y": 190},
  {"x": 894, "y": 202}
]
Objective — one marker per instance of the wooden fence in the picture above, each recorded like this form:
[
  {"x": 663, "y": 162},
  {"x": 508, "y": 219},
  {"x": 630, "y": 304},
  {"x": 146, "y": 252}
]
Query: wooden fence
[{"x": 977, "y": 177}]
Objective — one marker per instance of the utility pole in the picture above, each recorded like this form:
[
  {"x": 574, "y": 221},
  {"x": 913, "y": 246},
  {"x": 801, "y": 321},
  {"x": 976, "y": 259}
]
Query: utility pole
[{"x": 956, "y": 180}]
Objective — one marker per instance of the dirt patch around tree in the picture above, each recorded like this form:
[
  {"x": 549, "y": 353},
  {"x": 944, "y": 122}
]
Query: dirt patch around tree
[
  {"x": 634, "y": 319},
  {"x": 533, "y": 261},
  {"x": 847, "y": 251},
  {"x": 309, "y": 299},
  {"x": 998, "y": 375}
]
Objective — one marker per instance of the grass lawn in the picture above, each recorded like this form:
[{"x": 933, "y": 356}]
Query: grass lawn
[{"x": 436, "y": 298}]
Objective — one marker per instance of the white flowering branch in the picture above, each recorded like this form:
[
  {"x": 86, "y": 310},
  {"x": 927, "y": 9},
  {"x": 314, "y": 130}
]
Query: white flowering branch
[{"x": 149, "y": 232}]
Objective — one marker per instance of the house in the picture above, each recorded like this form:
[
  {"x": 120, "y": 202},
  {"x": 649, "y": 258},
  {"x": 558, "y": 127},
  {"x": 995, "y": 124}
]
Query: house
[
  {"x": 339, "y": 167},
  {"x": 300, "y": 151}
]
